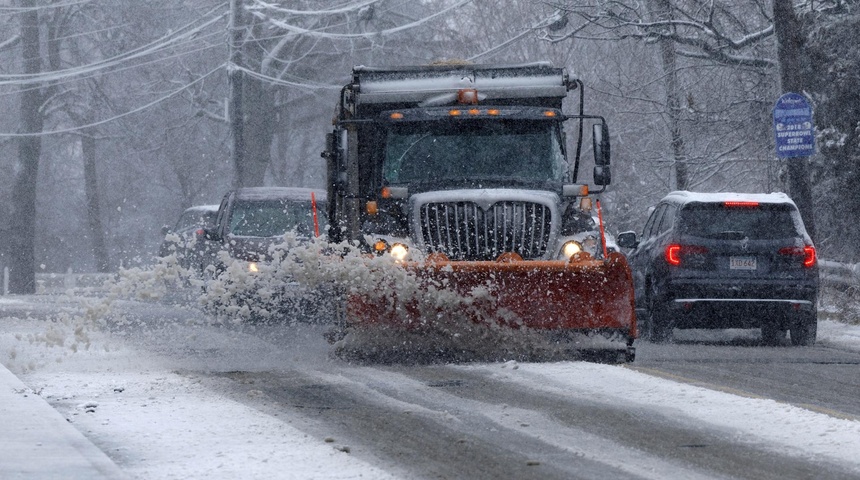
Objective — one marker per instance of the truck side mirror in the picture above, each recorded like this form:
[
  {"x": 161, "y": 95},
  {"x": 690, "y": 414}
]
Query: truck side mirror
[
  {"x": 600, "y": 137},
  {"x": 602, "y": 175}
]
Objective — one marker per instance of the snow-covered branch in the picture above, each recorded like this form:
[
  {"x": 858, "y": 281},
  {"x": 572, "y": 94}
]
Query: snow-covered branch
[
  {"x": 9, "y": 42},
  {"x": 725, "y": 58},
  {"x": 710, "y": 32}
]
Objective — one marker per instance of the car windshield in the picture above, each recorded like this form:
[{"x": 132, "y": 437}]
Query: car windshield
[
  {"x": 271, "y": 218},
  {"x": 474, "y": 150},
  {"x": 761, "y": 222},
  {"x": 194, "y": 219}
]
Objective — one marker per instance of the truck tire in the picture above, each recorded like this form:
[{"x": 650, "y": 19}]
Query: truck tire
[{"x": 804, "y": 332}]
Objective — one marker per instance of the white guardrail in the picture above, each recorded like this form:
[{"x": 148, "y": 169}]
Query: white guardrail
[
  {"x": 62, "y": 282},
  {"x": 840, "y": 275}
]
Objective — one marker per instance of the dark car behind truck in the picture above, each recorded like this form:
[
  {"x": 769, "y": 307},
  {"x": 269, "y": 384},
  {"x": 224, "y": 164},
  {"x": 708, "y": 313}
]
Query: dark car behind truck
[
  {"x": 725, "y": 260},
  {"x": 250, "y": 220},
  {"x": 256, "y": 227}
]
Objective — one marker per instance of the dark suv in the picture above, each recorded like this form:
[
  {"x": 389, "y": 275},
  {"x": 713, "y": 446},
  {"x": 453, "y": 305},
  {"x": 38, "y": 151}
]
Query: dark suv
[{"x": 725, "y": 260}]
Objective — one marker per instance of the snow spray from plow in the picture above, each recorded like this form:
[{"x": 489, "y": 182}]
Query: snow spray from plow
[{"x": 382, "y": 310}]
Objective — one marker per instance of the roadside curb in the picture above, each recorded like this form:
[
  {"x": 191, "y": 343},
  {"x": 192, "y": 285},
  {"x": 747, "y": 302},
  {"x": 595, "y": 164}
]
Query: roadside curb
[{"x": 37, "y": 442}]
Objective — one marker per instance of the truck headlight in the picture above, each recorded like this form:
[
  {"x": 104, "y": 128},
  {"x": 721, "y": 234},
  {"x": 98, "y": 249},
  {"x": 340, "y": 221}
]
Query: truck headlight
[
  {"x": 396, "y": 247},
  {"x": 571, "y": 248},
  {"x": 399, "y": 251}
]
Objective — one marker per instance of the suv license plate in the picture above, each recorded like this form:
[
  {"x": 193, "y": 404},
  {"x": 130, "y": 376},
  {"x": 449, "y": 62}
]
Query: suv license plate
[{"x": 742, "y": 263}]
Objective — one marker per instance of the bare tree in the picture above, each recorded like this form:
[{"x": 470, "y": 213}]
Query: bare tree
[
  {"x": 718, "y": 31},
  {"x": 287, "y": 57},
  {"x": 711, "y": 53}
]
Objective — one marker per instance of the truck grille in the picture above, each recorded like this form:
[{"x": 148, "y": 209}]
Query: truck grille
[{"x": 465, "y": 231}]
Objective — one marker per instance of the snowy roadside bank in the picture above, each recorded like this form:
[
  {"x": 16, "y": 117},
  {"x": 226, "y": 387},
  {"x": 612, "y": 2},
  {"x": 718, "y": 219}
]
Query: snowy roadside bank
[{"x": 158, "y": 423}]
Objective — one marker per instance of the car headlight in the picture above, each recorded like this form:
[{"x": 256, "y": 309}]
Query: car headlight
[
  {"x": 253, "y": 267},
  {"x": 571, "y": 248}
]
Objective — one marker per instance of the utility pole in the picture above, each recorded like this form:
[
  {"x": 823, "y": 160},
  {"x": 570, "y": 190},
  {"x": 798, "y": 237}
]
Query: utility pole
[
  {"x": 22, "y": 276},
  {"x": 236, "y": 78},
  {"x": 661, "y": 10},
  {"x": 793, "y": 74}
]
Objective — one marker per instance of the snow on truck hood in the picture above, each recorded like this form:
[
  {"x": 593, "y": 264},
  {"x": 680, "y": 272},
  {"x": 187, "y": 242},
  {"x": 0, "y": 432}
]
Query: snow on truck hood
[{"x": 486, "y": 197}]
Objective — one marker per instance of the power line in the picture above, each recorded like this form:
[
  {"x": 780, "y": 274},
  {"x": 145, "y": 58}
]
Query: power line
[
  {"x": 279, "y": 81},
  {"x": 152, "y": 47},
  {"x": 94, "y": 74},
  {"x": 316, "y": 33},
  {"x": 541, "y": 24},
  {"x": 183, "y": 34},
  {"x": 17, "y": 10},
  {"x": 334, "y": 11},
  {"x": 116, "y": 117}
]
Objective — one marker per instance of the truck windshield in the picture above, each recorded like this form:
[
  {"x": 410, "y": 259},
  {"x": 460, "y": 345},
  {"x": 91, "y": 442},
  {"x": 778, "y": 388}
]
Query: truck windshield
[{"x": 474, "y": 150}]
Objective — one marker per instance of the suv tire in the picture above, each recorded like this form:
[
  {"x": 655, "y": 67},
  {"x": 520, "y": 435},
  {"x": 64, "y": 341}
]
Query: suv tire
[
  {"x": 772, "y": 333},
  {"x": 804, "y": 332},
  {"x": 658, "y": 328}
]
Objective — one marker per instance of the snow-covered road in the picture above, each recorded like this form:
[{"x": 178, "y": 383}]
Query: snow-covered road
[{"x": 167, "y": 394}]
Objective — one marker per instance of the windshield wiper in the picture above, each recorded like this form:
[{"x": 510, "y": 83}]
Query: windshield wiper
[{"x": 403, "y": 155}]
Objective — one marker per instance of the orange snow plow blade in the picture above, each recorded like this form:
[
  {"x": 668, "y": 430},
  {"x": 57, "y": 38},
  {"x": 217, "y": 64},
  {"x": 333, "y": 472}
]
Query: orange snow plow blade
[{"x": 582, "y": 295}]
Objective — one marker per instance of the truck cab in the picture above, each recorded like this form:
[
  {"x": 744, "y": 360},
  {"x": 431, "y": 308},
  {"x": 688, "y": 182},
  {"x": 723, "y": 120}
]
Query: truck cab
[{"x": 466, "y": 162}]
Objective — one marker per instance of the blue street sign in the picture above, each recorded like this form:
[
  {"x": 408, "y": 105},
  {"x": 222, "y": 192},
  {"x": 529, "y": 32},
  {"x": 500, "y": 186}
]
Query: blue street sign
[{"x": 792, "y": 126}]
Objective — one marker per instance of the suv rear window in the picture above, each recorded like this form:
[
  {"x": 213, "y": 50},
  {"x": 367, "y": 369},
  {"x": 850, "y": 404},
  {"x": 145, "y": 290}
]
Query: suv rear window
[{"x": 762, "y": 222}]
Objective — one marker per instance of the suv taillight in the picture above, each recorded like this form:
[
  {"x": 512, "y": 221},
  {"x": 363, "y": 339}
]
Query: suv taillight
[
  {"x": 740, "y": 203},
  {"x": 807, "y": 252},
  {"x": 675, "y": 252}
]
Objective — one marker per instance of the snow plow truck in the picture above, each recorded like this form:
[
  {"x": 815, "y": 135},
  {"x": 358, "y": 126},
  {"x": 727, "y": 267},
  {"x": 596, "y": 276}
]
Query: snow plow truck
[{"x": 463, "y": 175}]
